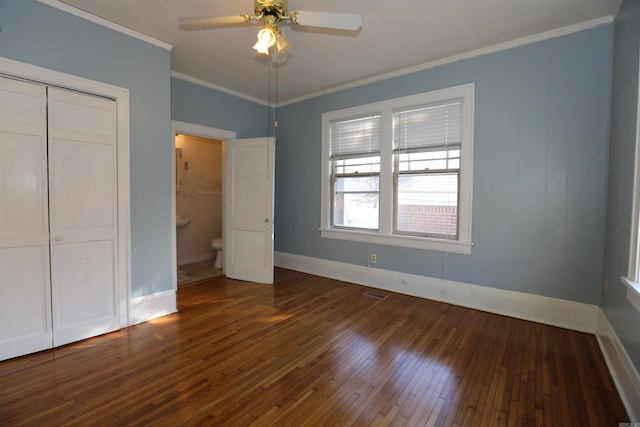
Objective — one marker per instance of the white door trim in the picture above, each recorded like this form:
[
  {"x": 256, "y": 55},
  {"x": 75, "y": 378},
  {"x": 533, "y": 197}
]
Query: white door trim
[
  {"x": 121, "y": 96},
  {"x": 193, "y": 130}
]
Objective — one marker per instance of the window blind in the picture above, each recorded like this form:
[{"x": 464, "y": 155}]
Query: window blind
[
  {"x": 426, "y": 126},
  {"x": 355, "y": 137}
]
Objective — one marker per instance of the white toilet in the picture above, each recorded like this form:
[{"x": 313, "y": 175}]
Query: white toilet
[{"x": 216, "y": 244}]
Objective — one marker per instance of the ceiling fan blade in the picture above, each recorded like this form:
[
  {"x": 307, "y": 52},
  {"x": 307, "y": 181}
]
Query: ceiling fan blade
[
  {"x": 338, "y": 21},
  {"x": 209, "y": 22}
]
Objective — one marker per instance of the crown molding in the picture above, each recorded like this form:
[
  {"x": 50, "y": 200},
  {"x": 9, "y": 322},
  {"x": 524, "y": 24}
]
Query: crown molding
[
  {"x": 558, "y": 32},
  {"x": 228, "y": 91},
  {"x": 421, "y": 67},
  {"x": 616, "y": 8},
  {"x": 105, "y": 23}
]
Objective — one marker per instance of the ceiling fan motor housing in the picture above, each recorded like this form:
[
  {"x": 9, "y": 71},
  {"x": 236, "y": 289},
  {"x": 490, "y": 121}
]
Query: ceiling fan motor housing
[{"x": 276, "y": 8}]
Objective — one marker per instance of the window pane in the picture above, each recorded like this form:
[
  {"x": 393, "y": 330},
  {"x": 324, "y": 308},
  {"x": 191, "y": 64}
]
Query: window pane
[
  {"x": 362, "y": 165},
  {"x": 356, "y": 202},
  {"x": 435, "y": 164},
  {"x": 359, "y": 184},
  {"x": 430, "y": 155},
  {"x": 419, "y": 165},
  {"x": 429, "y": 160},
  {"x": 428, "y": 204}
]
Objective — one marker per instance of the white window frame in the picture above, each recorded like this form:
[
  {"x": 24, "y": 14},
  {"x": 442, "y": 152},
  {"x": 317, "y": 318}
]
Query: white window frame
[
  {"x": 632, "y": 280},
  {"x": 346, "y": 151},
  {"x": 384, "y": 235}
]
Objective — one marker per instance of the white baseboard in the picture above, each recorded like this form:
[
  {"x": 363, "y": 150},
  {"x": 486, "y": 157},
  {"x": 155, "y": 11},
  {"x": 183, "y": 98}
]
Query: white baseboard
[
  {"x": 620, "y": 366},
  {"x": 551, "y": 311},
  {"x": 152, "y": 306}
]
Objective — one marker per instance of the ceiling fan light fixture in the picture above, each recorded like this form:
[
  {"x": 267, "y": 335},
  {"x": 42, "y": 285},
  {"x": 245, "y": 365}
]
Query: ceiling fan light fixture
[
  {"x": 282, "y": 44},
  {"x": 266, "y": 39},
  {"x": 273, "y": 13}
]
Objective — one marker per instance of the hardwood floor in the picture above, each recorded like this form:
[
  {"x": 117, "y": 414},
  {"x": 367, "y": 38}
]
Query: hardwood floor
[{"x": 317, "y": 352}]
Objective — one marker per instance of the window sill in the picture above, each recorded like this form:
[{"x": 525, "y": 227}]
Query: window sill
[
  {"x": 441, "y": 245},
  {"x": 633, "y": 292}
]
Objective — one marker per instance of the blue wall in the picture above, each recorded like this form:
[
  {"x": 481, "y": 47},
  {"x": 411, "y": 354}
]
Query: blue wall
[
  {"x": 541, "y": 134},
  {"x": 40, "y": 35},
  {"x": 200, "y": 105},
  {"x": 620, "y": 313},
  {"x": 540, "y": 167}
]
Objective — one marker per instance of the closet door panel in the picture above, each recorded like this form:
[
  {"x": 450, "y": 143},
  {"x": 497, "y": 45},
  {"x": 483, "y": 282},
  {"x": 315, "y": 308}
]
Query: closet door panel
[
  {"x": 25, "y": 297},
  {"x": 82, "y": 188},
  {"x": 83, "y": 302},
  {"x": 23, "y": 179},
  {"x": 25, "y": 305},
  {"x": 21, "y": 198},
  {"x": 88, "y": 172}
]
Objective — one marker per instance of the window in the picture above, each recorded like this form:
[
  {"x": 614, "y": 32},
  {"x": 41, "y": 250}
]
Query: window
[
  {"x": 355, "y": 158},
  {"x": 399, "y": 172},
  {"x": 426, "y": 159},
  {"x": 632, "y": 279}
]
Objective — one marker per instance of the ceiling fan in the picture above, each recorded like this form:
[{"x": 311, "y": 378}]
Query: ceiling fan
[{"x": 272, "y": 13}]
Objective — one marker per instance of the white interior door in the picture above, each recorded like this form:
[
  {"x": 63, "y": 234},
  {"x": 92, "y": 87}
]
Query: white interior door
[
  {"x": 248, "y": 201},
  {"x": 83, "y": 215},
  {"x": 25, "y": 297}
]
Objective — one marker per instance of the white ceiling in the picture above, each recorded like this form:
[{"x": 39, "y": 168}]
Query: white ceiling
[{"x": 395, "y": 35}]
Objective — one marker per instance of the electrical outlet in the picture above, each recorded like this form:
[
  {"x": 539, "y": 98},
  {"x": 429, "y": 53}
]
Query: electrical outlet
[
  {"x": 605, "y": 285},
  {"x": 374, "y": 258}
]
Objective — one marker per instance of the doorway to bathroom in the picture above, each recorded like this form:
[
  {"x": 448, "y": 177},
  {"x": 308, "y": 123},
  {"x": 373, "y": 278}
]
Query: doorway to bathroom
[
  {"x": 198, "y": 206},
  {"x": 248, "y": 168},
  {"x": 199, "y": 154}
]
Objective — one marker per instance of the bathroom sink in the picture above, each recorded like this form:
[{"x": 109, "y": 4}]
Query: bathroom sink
[{"x": 182, "y": 221}]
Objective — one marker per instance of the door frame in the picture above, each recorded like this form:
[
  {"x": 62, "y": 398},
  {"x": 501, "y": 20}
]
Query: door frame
[
  {"x": 191, "y": 129},
  {"x": 46, "y": 76}
]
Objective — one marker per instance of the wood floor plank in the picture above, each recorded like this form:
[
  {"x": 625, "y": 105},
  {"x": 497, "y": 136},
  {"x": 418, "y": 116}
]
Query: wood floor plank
[{"x": 311, "y": 351}]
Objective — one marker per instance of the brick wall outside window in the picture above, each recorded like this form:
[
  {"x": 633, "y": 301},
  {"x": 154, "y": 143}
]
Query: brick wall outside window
[{"x": 431, "y": 219}]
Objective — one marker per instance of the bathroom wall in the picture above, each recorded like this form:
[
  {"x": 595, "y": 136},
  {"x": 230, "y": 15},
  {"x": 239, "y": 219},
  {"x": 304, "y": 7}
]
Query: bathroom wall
[{"x": 200, "y": 197}]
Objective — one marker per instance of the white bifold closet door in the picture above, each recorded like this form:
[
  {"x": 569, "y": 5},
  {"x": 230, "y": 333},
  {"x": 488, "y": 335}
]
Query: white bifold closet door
[
  {"x": 83, "y": 212},
  {"x": 25, "y": 293},
  {"x": 58, "y": 229}
]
